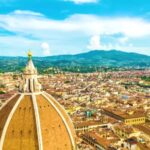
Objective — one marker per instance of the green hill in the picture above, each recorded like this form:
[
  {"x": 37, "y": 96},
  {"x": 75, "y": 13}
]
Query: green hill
[{"x": 96, "y": 58}]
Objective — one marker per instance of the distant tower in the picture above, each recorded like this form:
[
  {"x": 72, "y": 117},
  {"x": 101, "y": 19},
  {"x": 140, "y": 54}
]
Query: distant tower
[{"x": 33, "y": 119}]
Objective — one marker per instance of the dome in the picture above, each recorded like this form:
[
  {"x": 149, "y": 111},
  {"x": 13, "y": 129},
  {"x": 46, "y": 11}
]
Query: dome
[{"x": 33, "y": 120}]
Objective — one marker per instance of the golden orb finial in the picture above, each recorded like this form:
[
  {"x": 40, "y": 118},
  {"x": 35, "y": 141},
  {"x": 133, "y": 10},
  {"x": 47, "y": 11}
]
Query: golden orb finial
[{"x": 29, "y": 54}]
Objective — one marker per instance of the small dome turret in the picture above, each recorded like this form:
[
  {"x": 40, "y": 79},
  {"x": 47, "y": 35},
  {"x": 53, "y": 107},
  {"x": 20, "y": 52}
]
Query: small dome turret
[{"x": 30, "y": 83}]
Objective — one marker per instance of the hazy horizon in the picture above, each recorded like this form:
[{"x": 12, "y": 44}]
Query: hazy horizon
[{"x": 15, "y": 55}]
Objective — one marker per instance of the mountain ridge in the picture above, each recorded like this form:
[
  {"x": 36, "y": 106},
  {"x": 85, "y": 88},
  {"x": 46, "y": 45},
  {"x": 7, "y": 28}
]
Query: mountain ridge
[{"x": 95, "y": 58}]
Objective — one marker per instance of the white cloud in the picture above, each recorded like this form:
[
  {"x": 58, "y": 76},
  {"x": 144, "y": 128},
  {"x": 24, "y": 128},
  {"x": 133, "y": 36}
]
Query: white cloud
[
  {"x": 83, "y": 1},
  {"x": 26, "y": 12},
  {"x": 17, "y": 45},
  {"x": 28, "y": 25},
  {"x": 37, "y": 24},
  {"x": 94, "y": 43},
  {"x": 46, "y": 49},
  {"x": 123, "y": 40}
]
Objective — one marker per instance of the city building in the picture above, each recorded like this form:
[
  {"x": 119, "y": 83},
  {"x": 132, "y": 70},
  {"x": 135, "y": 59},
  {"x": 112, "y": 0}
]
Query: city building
[{"x": 129, "y": 118}]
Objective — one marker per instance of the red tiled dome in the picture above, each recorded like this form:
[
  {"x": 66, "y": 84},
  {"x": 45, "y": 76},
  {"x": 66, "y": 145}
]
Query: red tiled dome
[{"x": 35, "y": 121}]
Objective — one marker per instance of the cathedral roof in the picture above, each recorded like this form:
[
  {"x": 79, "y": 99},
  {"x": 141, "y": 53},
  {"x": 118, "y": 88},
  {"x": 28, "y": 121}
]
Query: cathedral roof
[{"x": 34, "y": 120}]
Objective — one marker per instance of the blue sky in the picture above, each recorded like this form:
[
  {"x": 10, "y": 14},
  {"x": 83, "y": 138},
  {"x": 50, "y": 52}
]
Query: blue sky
[{"x": 53, "y": 27}]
